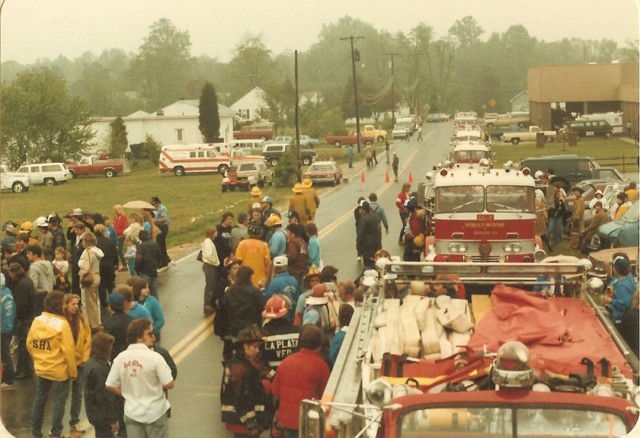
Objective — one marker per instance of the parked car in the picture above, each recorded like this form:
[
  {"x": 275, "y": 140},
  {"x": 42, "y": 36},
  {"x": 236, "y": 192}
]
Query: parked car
[
  {"x": 273, "y": 152},
  {"x": 601, "y": 261},
  {"x": 434, "y": 118},
  {"x": 569, "y": 169},
  {"x": 281, "y": 139},
  {"x": 308, "y": 142},
  {"x": 590, "y": 128},
  {"x": 499, "y": 132},
  {"x": 324, "y": 172},
  {"x": 48, "y": 174},
  {"x": 618, "y": 233},
  {"x": 14, "y": 181},
  {"x": 400, "y": 132},
  {"x": 256, "y": 172}
]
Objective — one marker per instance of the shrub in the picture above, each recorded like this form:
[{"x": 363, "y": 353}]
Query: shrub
[{"x": 285, "y": 173}]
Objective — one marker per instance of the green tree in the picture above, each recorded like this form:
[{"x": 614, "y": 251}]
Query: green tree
[
  {"x": 466, "y": 31},
  {"x": 209, "y": 118},
  {"x": 160, "y": 68},
  {"x": 118, "y": 141},
  {"x": 250, "y": 67},
  {"x": 285, "y": 173},
  {"x": 40, "y": 119},
  {"x": 152, "y": 149}
]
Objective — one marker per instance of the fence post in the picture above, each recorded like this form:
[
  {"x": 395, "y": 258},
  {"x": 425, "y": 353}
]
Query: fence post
[{"x": 623, "y": 163}]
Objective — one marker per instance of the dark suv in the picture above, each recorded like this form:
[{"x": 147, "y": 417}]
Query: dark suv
[
  {"x": 590, "y": 128},
  {"x": 273, "y": 152},
  {"x": 569, "y": 169}
]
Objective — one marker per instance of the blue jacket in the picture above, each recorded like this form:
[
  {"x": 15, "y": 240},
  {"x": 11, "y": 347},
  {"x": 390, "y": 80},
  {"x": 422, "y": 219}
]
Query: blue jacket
[
  {"x": 8, "y": 311},
  {"x": 157, "y": 315},
  {"x": 334, "y": 347},
  {"x": 314, "y": 254},
  {"x": 278, "y": 243},
  {"x": 623, "y": 291},
  {"x": 138, "y": 311}
]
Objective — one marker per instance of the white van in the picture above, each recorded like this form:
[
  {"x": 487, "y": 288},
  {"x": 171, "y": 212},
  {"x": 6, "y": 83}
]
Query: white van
[
  {"x": 49, "y": 174},
  {"x": 249, "y": 143}
]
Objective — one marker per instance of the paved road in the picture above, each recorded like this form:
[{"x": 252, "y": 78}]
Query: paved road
[{"x": 188, "y": 335}]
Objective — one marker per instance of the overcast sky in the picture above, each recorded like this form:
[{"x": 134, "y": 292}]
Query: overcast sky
[{"x": 36, "y": 29}]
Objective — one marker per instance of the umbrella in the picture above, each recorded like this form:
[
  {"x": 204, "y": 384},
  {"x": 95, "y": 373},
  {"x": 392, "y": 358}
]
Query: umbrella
[{"x": 140, "y": 205}]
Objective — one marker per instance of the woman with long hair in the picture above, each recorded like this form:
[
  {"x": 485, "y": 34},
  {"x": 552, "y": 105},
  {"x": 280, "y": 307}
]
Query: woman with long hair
[
  {"x": 89, "y": 264},
  {"x": 148, "y": 224},
  {"x": 82, "y": 339}
]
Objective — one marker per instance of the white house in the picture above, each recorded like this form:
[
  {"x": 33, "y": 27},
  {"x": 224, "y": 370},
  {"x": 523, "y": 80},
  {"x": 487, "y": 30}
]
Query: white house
[
  {"x": 248, "y": 106},
  {"x": 175, "y": 123},
  {"x": 520, "y": 102}
]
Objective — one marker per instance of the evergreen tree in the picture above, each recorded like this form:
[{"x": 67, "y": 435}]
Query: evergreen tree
[
  {"x": 118, "y": 141},
  {"x": 209, "y": 118}
]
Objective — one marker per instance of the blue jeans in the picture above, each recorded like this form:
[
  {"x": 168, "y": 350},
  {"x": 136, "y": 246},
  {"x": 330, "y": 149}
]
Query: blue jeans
[
  {"x": 8, "y": 373},
  {"x": 554, "y": 230},
  {"x": 60, "y": 391},
  {"x": 157, "y": 429},
  {"x": 153, "y": 284},
  {"x": 77, "y": 387}
]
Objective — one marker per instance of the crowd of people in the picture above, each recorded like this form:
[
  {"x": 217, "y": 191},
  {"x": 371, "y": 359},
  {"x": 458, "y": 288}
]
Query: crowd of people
[{"x": 57, "y": 287}]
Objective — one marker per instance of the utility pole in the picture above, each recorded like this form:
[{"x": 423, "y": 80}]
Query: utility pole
[
  {"x": 299, "y": 165},
  {"x": 393, "y": 103},
  {"x": 352, "y": 39},
  {"x": 1, "y": 149}
]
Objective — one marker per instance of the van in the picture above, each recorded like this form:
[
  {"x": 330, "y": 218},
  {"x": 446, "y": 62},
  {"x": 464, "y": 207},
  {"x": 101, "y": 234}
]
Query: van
[
  {"x": 591, "y": 128},
  {"x": 570, "y": 169},
  {"x": 249, "y": 143},
  {"x": 48, "y": 174}
]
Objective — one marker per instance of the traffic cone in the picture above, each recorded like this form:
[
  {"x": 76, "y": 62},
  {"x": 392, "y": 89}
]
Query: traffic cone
[
  {"x": 386, "y": 177},
  {"x": 362, "y": 177},
  {"x": 410, "y": 178}
]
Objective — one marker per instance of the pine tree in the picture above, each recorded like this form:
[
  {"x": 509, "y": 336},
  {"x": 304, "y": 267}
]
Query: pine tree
[
  {"x": 118, "y": 141},
  {"x": 209, "y": 118}
]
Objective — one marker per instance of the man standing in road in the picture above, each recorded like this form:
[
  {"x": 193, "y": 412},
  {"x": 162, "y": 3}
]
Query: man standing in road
[
  {"x": 162, "y": 220},
  {"x": 394, "y": 165},
  {"x": 312, "y": 196},
  {"x": 368, "y": 239},
  {"x": 148, "y": 259},
  {"x": 51, "y": 345},
  {"x": 350, "y": 155},
  {"x": 401, "y": 201},
  {"x": 419, "y": 133},
  {"x": 140, "y": 376}
]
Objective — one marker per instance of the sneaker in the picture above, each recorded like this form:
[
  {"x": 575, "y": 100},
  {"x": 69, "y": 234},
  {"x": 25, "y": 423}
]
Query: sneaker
[
  {"x": 77, "y": 428},
  {"x": 4, "y": 385}
]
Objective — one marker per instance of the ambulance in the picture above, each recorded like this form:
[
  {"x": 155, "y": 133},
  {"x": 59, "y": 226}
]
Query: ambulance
[{"x": 200, "y": 158}]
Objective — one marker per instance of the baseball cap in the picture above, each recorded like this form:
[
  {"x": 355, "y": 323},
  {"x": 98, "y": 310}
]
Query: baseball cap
[
  {"x": 115, "y": 299},
  {"x": 255, "y": 206},
  {"x": 267, "y": 199},
  {"x": 620, "y": 262},
  {"x": 280, "y": 261}
]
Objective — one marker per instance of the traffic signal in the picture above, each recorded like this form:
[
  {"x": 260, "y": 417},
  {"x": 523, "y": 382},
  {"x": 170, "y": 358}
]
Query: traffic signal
[{"x": 356, "y": 55}]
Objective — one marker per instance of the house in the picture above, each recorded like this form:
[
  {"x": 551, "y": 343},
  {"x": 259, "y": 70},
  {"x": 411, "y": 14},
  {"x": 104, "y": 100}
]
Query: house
[
  {"x": 310, "y": 97},
  {"x": 520, "y": 102},
  {"x": 248, "y": 106},
  {"x": 175, "y": 123}
]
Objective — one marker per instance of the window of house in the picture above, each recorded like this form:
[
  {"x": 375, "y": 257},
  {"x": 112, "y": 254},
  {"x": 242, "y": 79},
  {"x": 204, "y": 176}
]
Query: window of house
[{"x": 179, "y": 133}]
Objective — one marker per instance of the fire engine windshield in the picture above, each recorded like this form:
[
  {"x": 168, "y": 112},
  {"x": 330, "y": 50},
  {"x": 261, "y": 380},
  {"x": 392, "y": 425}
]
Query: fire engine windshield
[
  {"x": 469, "y": 156},
  {"x": 510, "y": 422},
  {"x": 460, "y": 199},
  {"x": 510, "y": 198}
]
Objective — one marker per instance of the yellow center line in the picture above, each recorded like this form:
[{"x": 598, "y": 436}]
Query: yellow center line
[
  {"x": 184, "y": 341},
  {"x": 193, "y": 344}
]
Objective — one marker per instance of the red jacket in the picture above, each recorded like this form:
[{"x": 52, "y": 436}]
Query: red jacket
[
  {"x": 401, "y": 199},
  {"x": 120, "y": 223},
  {"x": 302, "y": 375}
]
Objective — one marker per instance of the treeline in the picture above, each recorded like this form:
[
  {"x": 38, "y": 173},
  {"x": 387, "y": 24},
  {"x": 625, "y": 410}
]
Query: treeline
[{"x": 464, "y": 70}]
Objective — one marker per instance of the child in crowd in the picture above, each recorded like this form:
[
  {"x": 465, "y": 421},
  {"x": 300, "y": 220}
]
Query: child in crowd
[
  {"x": 61, "y": 269},
  {"x": 130, "y": 255}
]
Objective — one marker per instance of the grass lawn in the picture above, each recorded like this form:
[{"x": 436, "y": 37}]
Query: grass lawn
[
  {"x": 194, "y": 201},
  {"x": 607, "y": 152}
]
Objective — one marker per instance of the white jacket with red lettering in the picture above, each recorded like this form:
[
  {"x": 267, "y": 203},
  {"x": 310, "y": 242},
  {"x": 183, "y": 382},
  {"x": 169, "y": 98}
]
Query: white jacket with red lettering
[{"x": 50, "y": 343}]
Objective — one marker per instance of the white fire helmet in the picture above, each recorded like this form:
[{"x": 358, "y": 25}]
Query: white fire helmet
[{"x": 511, "y": 367}]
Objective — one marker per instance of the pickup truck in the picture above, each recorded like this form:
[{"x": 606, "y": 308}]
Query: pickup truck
[
  {"x": 96, "y": 165},
  {"x": 14, "y": 181},
  {"x": 273, "y": 152},
  {"x": 530, "y": 135},
  {"x": 352, "y": 138},
  {"x": 379, "y": 134},
  {"x": 247, "y": 132}
]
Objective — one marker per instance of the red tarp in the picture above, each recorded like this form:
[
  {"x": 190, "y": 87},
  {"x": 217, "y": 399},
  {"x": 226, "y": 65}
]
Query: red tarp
[{"x": 559, "y": 332}]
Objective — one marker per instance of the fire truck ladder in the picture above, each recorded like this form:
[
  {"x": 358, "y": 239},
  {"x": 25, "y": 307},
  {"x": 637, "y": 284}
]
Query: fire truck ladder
[{"x": 344, "y": 387}]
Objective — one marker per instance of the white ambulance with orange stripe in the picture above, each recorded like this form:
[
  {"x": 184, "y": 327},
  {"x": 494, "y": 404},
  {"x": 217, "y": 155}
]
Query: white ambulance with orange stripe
[{"x": 200, "y": 158}]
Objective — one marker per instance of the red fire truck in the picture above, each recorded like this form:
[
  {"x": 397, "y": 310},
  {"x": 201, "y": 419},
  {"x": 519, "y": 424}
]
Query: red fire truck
[
  {"x": 482, "y": 214},
  {"x": 513, "y": 364}
]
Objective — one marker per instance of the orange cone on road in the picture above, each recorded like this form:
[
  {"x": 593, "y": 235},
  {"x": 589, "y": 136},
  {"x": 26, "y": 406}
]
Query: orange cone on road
[
  {"x": 410, "y": 178},
  {"x": 386, "y": 177},
  {"x": 362, "y": 177}
]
